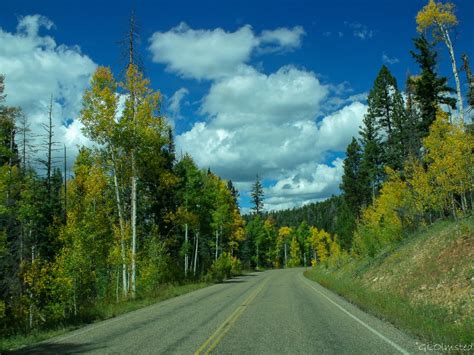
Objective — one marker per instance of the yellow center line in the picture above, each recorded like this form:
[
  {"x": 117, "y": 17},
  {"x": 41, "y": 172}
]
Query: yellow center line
[{"x": 220, "y": 332}]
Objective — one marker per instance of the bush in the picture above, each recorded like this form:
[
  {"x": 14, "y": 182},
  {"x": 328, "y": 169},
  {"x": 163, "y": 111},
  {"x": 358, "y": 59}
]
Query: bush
[
  {"x": 221, "y": 269},
  {"x": 236, "y": 266}
]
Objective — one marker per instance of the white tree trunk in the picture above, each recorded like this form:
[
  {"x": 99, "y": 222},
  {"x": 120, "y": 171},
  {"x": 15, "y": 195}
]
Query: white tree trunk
[
  {"x": 186, "y": 252},
  {"x": 449, "y": 44},
  {"x": 257, "y": 256},
  {"x": 134, "y": 198},
  {"x": 217, "y": 242},
  {"x": 134, "y": 225},
  {"x": 122, "y": 227},
  {"x": 196, "y": 253}
]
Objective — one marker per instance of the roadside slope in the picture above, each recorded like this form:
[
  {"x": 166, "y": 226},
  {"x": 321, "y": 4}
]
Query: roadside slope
[{"x": 425, "y": 285}]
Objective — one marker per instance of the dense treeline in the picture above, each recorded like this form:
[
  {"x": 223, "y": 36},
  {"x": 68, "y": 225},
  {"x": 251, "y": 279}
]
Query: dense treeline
[
  {"x": 131, "y": 218},
  {"x": 411, "y": 164},
  {"x": 134, "y": 216},
  {"x": 270, "y": 246},
  {"x": 333, "y": 215}
]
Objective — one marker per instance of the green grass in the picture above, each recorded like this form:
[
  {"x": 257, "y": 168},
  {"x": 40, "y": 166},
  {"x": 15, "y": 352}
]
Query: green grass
[
  {"x": 403, "y": 283},
  {"x": 98, "y": 313},
  {"x": 427, "y": 322}
]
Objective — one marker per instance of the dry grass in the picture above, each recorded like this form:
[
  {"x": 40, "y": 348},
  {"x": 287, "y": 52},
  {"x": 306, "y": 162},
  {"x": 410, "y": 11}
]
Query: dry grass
[
  {"x": 436, "y": 267},
  {"x": 424, "y": 285}
]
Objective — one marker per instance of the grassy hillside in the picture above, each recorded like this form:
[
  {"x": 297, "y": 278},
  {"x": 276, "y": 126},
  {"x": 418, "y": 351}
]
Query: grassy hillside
[{"x": 425, "y": 285}]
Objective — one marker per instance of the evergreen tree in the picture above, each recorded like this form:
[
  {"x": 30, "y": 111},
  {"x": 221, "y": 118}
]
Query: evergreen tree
[
  {"x": 257, "y": 196},
  {"x": 351, "y": 180},
  {"x": 233, "y": 191},
  {"x": 371, "y": 169},
  {"x": 386, "y": 109},
  {"x": 413, "y": 143},
  {"x": 396, "y": 149},
  {"x": 381, "y": 99},
  {"x": 430, "y": 90}
]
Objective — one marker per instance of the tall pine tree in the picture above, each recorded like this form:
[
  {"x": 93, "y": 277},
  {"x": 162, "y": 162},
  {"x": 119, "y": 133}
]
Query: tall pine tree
[
  {"x": 351, "y": 180},
  {"x": 371, "y": 170},
  {"x": 257, "y": 196},
  {"x": 430, "y": 91}
]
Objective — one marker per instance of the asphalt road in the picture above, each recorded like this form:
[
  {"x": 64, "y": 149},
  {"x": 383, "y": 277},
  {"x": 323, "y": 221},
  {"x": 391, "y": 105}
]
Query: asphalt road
[{"x": 272, "y": 312}]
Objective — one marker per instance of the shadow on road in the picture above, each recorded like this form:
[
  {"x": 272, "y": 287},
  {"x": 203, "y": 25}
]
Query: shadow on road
[
  {"x": 236, "y": 281},
  {"x": 57, "y": 348}
]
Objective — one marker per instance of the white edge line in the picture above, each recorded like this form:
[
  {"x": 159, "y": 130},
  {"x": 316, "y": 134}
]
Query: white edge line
[{"x": 403, "y": 351}]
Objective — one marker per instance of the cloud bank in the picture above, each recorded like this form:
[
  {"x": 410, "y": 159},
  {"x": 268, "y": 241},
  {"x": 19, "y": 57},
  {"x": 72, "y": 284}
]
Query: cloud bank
[{"x": 286, "y": 126}]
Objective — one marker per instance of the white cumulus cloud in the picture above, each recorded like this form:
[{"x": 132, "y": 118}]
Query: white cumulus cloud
[
  {"x": 175, "y": 101},
  {"x": 267, "y": 124},
  {"x": 213, "y": 54},
  {"x": 282, "y": 38},
  {"x": 283, "y": 125},
  {"x": 35, "y": 68},
  {"x": 306, "y": 183}
]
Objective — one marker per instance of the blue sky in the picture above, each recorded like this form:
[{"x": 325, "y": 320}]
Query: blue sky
[{"x": 270, "y": 87}]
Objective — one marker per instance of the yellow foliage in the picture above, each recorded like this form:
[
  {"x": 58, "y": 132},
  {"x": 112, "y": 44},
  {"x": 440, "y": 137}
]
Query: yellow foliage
[
  {"x": 320, "y": 241},
  {"x": 295, "y": 259},
  {"x": 449, "y": 155},
  {"x": 237, "y": 234},
  {"x": 381, "y": 222},
  {"x": 285, "y": 232},
  {"x": 436, "y": 14},
  {"x": 335, "y": 248},
  {"x": 442, "y": 183}
]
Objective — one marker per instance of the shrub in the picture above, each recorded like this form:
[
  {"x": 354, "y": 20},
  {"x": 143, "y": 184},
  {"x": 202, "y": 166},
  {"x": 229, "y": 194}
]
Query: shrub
[
  {"x": 221, "y": 269},
  {"x": 236, "y": 266}
]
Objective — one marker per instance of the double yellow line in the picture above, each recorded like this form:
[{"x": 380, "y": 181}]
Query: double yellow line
[{"x": 220, "y": 332}]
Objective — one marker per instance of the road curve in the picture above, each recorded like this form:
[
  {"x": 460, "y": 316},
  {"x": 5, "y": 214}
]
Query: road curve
[{"x": 272, "y": 312}]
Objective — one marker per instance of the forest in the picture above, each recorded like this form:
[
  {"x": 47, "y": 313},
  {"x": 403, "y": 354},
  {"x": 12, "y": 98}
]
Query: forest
[
  {"x": 135, "y": 215},
  {"x": 410, "y": 164}
]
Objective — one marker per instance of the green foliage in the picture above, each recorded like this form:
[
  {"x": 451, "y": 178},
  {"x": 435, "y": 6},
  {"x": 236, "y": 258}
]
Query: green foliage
[
  {"x": 430, "y": 91},
  {"x": 60, "y": 267},
  {"x": 154, "y": 266},
  {"x": 333, "y": 215},
  {"x": 351, "y": 180},
  {"x": 257, "y": 196},
  {"x": 221, "y": 269},
  {"x": 439, "y": 186},
  {"x": 371, "y": 168}
]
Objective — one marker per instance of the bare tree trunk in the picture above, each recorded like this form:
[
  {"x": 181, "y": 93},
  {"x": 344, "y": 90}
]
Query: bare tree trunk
[
  {"x": 117, "y": 286},
  {"x": 31, "y": 293},
  {"x": 447, "y": 41},
  {"x": 217, "y": 242},
  {"x": 463, "y": 203},
  {"x": 134, "y": 203},
  {"x": 121, "y": 223},
  {"x": 65, "y": 183},
  {"x": 286, "y": 256},
  {"x": 131, "y": 51},
  {"x": 196, "y": 253},
  {"x": 257, "y": 256},
  {"x": 134, "y": 225},
  {"x": 74, "y": 298},
  {"x": 50, "y": 146},
  {"x": 186, "y": 260}
]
